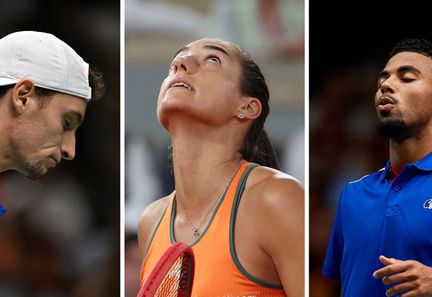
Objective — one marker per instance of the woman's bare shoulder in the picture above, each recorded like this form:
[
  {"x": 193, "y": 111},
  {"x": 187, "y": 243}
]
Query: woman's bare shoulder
[{"x": 148, "y": 220}]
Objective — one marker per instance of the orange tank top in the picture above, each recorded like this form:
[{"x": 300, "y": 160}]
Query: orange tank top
[{"x": 218, "y": 272}]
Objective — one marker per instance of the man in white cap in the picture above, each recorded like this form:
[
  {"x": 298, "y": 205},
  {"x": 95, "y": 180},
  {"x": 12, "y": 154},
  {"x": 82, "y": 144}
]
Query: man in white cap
[{"x": 44, "y": 90}]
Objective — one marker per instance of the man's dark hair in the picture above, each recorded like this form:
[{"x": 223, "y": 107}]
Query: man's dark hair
[
  {"x": 417, "y": 45},
  {"x": 96, "y": 83},
  {"x": 5, "y": 89}
]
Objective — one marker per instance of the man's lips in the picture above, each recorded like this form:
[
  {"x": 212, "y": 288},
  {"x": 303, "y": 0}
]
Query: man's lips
[{"x": 385, "y": 103}]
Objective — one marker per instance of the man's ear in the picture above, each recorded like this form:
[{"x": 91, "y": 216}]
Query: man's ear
[
  {"x": 251, "y": 108},
  {"x": 22, "y": 92}
]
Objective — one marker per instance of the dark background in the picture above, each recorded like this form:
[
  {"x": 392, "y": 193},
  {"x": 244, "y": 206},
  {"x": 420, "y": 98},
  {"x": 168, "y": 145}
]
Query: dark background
[
  {"x": 343, "y": 34},
  {"x": 60, "y": 236},
  {"x": 349, "y": 46}
]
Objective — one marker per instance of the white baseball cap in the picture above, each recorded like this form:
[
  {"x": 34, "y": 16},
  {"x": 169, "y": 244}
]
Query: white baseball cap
[{"x": 45, "y": 59}]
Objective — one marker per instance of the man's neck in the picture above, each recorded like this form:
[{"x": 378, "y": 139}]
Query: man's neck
[
  {"x": 7, "y": 123},
  {"x": 5, "y": 156},
  {"x": 409, "y": 150}
]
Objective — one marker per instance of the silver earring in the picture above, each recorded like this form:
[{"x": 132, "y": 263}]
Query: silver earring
[{"x": 240, "y": 116}]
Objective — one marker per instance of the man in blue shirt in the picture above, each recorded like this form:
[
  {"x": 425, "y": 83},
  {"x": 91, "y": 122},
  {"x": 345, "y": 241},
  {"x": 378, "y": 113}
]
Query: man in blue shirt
[
  {"x": 45, "y": 87},
  {"x": 381, "y": 241}
]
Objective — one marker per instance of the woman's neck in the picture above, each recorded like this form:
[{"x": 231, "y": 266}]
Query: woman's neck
[{"x": 203, "y": 164}]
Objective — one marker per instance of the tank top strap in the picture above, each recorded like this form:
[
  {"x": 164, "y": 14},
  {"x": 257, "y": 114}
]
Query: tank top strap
[
  {"x": 238, "y": 183},
  {"x": 158, "y": 242},
  {"x": 222, "y": 209},
  {"x": 235, "y": 205}
]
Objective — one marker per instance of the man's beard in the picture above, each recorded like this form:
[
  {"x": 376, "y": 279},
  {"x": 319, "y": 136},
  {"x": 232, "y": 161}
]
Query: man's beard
[
  {"x": 397, "y": 129},
  {"x": 34, "y": 170}
]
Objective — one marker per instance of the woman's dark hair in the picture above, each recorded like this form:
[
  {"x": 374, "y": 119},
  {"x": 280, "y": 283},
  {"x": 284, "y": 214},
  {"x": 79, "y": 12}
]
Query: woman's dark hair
[{"x": 257, "y": 147}]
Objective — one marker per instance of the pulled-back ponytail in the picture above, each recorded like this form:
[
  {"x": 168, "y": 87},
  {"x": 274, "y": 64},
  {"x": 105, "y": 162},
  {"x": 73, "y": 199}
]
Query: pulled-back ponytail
[{"x": 257, "y": 147}]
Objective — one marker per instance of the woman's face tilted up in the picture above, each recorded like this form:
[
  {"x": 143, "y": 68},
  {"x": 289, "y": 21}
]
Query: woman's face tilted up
[{"x": 203, "y": 84}]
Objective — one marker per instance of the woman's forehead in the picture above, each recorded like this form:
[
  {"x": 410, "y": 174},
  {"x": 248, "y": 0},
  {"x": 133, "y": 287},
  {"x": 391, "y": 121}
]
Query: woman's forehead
[
  {"x": 207, "y": 40},
  {"x": 210, "y": 43}
]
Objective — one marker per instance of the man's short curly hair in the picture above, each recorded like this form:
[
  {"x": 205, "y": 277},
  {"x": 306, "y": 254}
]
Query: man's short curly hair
[
  {"x": 417, "y": 45},
  {"x": 96, "y": 83}
]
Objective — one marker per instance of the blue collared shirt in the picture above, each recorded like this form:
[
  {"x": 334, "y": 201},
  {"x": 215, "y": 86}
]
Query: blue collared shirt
[
  {"x": 377, "y": 217},
  {"x": 2, "y": 210}
]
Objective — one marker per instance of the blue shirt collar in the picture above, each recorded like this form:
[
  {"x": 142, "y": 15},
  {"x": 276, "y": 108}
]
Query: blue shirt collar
[
  {"x": 2, "y": 210},
  {"x": 424, "y": 164},
  {"x": 385, "y": 172}
]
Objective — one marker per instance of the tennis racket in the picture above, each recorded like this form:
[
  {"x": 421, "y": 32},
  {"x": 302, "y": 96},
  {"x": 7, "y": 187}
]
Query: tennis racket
[{"x": 173, "y": 274}]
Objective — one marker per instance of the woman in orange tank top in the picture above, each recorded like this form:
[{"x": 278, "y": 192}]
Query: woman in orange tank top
[{"x": 245, "y": 222}]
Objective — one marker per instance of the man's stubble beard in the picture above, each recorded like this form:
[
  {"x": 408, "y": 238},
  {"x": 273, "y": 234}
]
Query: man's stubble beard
[
  {"x": 34, "y": 170},
  {"x": 398, "y": 129}
]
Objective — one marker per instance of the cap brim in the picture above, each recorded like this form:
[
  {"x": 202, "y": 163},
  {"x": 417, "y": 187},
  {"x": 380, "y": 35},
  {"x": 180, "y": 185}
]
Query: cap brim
[
  {"x": 7, "y": 81},
  {"x": 87, "y": 96}
]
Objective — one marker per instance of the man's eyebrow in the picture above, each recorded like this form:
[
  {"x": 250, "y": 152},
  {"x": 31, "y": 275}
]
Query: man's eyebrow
[
  {"x": 407, "y": 68},
  {"x": 401, "y": 69},
  {"x": 382, "y": 74}
]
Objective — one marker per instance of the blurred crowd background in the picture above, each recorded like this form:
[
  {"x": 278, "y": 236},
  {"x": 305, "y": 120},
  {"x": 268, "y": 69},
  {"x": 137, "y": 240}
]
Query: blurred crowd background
[
  {"x": 60, "y": 236},
  {"x": 347, "y": 52},
  {"x": 271, "y": 30}
]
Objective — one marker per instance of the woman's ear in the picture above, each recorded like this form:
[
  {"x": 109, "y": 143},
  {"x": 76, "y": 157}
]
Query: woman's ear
[
  {"x": 23, "y": 90},
  {"x": 250, "y": 109}
]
